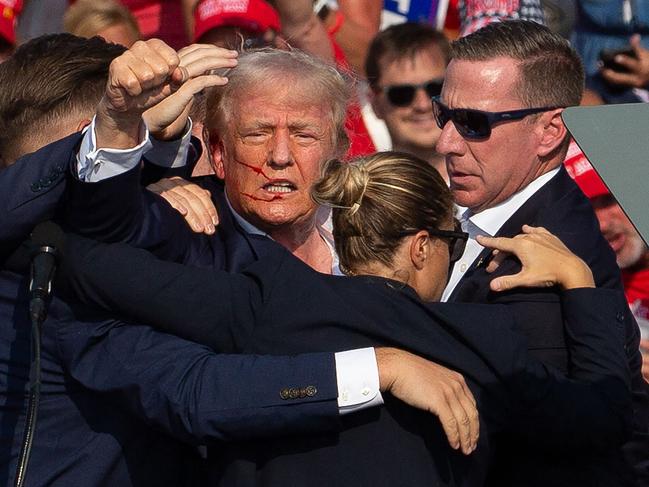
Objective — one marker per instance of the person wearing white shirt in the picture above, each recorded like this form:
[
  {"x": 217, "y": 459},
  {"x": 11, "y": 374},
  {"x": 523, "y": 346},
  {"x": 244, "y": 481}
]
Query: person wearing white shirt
[{"x": 504, "y": 142}]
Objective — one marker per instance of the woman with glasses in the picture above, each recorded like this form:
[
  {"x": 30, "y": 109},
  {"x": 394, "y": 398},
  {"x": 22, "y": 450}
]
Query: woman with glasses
[{"x": 396, "y": 238}]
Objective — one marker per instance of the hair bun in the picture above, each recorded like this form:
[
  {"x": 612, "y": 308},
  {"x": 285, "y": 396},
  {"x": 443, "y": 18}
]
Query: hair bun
[{"x": 342, "y": 185}]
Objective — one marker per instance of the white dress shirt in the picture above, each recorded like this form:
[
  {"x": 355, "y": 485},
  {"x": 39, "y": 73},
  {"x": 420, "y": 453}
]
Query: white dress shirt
[
  {"x": 357, "y": 373},
  {"x": 487, "y": 223}
]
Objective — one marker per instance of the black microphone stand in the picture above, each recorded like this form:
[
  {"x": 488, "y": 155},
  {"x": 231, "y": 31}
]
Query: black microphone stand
[{"x": 38, "y": 305}]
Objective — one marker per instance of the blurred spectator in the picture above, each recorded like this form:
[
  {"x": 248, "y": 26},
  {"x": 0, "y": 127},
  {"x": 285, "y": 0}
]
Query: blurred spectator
[
  {"x": 106, "y": 18},
  {"x": 610, "y": 24},
  {"x": 475, "y": 14},
  {"x": 405, "y": 67},
  {"x": 10, "y": 11},
  {"x": 236, "y": 25},
  {"x": 163, "y": 19},
  {"x": 631, "y": 252},
  {"x": 560, "y": 16},
  {"x": 353, "y": 24},
  {"x": 35, "y": 20}
]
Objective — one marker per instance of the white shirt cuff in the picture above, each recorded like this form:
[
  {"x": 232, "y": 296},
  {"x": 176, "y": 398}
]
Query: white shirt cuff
[
  {"x": 357, "y": 374},
  {"x": 96, "y": 164},
  {"x": 170, "y": 153}
]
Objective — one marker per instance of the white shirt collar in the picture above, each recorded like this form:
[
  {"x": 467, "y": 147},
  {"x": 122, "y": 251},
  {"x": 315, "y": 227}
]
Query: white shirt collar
[
  {"x": 491, "y": 219},
  {"x": 321, "y": 227}
]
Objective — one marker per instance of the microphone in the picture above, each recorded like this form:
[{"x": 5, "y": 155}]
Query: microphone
[{"x": 47, "y": 243}]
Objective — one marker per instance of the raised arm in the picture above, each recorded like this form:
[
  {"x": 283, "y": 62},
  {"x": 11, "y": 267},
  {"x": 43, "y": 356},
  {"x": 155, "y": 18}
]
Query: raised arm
[{"x": 153, "y": 82}]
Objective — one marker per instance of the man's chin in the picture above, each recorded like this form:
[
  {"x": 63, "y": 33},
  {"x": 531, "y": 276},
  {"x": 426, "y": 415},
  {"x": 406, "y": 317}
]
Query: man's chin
[{"x": 276, "y": 216}]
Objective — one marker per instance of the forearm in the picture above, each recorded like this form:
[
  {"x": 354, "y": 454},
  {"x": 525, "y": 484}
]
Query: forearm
[
  {"x": 193, "y": 394},
  {"x": 303, "y": 29},
  {"x": 591, "y": 407}
]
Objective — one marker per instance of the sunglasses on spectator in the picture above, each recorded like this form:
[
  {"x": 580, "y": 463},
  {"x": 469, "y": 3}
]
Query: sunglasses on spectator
[
  {"x": 456, "y": 239},
  {"x": 476, "y": 124},
  {"x": 403, "y": 95}
]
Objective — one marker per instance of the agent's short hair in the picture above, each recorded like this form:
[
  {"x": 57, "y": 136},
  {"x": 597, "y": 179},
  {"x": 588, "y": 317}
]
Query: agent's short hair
[
  {"x": 86, "y": 18},
  {"x": 551, "y": 72},
  {"x": 402, "y": 41},
  {"x": 49, "y": 79},
  {"x": 311, "y": 78}
]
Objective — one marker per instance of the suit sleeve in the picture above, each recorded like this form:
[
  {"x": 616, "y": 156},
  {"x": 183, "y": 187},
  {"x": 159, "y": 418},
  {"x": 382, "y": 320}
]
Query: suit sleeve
[
  {"x": 192, "y": 393},
  {"x": 592, "y": 406},
  {"x": 204, "y": 305},
  {"x": 32, "y": 189},
  {"x": 120, "y": 209}
]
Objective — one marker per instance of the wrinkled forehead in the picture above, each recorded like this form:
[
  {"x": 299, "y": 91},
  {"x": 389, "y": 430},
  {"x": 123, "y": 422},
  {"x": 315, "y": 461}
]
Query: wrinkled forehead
[
  {"x": 483, "y": 85},
  {"x": 292, "y": 101}
]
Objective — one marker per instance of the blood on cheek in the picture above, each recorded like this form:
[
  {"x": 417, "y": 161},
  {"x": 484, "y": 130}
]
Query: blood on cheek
[{"x": 259, "y": 170}]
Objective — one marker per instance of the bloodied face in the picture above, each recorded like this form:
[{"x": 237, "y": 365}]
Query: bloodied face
[{"x": 275, "y": 143}]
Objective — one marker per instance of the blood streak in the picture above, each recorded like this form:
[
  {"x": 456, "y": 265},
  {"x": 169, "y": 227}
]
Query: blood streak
[
  {"x": 256, "y": 170},
  {"x": 273, "y": 198}
]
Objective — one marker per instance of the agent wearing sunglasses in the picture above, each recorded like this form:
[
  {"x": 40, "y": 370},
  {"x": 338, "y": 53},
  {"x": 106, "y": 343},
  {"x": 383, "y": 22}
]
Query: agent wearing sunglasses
[
  {"x": 405, "y": 67},
  {"x": 504, "y": 142}
]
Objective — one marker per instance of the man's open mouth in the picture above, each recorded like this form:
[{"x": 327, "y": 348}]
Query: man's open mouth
[{"x": 279, "y": 187}]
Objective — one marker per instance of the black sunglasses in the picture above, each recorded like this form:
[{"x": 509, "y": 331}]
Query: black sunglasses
[
  {"x": 456, "y": 239},
  {"x": 402, "y": 95},
  {"x": 476, "y": 124}
]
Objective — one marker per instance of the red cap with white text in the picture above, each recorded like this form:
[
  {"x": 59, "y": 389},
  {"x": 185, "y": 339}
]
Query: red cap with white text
[{"x": 254, "y": 15}]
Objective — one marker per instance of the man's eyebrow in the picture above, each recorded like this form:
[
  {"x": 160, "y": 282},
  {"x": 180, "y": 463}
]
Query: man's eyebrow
[
  {"x": 259, "y": 124},
  {"x": 302, "y": 125}
]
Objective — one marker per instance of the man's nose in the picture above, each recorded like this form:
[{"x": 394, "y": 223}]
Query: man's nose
[
  {"x": 422, "y": 102},
  {"x": 450, "y": 141},
  {"x": 281, "y": 150}
]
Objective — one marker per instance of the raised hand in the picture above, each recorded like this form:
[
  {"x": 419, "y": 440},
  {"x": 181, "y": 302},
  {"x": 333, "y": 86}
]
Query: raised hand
[
  {"x": 545, "y": 261},
  {"x": 191, "y": 201},
  {"x": 637, "y": 75},
  {"x": 426, "y": 385},
  {"x": 198, "y": 62},
  {"x": 145, "y": 75}
]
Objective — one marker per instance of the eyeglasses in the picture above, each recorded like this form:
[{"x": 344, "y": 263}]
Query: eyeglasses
[
  {"x": 403, "y": 95},
  {"x": 456, "y": 239},
  {"x": 476, "y": 124}
]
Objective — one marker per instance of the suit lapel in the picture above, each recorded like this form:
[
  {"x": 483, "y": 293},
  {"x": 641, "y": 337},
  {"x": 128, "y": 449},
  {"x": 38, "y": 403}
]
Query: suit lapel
[{"x": 476, "y": 277}]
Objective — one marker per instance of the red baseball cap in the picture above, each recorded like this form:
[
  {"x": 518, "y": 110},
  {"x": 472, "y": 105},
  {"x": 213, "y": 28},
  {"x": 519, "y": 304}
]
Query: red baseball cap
[
  {"x": 9, "y": 10},
  {"x": 254, "y": 15},
  {"x": 580, "y": 169}
]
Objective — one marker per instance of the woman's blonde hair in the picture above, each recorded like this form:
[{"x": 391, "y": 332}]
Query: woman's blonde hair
[
  {"x": 377, "y": 199},
  {"x": 88, "y": 17}
]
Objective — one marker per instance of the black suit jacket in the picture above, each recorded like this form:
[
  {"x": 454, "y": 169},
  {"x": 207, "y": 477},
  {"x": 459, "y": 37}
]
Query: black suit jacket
[
  {"x": 561, "y": 207},
  {"x": 279, "y": 305}
]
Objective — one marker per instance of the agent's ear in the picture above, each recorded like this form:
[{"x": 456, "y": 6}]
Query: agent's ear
[
  {"x": 420, "y": 249},
  {"x": 553, "y": 132},
  {"x": 83, "y": 123}
]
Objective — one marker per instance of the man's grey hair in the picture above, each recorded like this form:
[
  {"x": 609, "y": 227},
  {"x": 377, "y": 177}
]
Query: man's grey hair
[{"x": 311, "y": 78}]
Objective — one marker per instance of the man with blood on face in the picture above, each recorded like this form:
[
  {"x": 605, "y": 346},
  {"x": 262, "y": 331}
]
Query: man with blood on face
[{"x": 270, "y": 130}]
